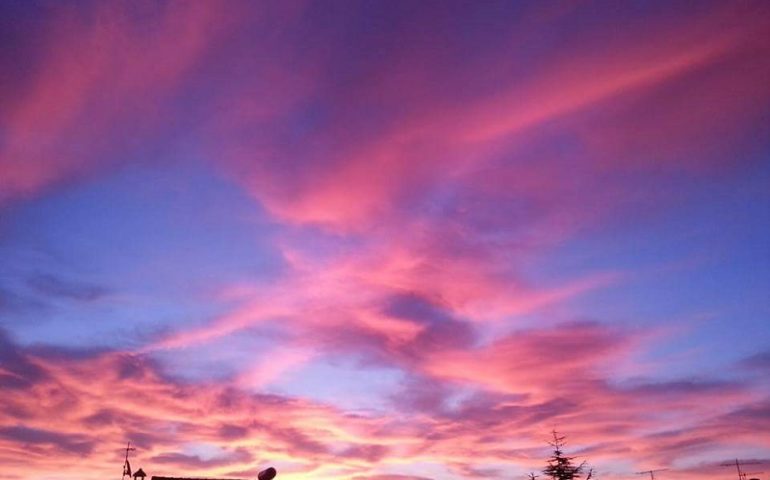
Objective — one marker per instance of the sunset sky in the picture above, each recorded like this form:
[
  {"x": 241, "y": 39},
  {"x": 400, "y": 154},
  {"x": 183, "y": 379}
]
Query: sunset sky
[{"x": 384, "y": 240}]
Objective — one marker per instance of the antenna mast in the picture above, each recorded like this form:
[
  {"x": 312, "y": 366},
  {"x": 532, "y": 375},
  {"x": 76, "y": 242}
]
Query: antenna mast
[
  {"x": 651, "y": 472},
  {"x": 126, "y": 465},
  {"x": 741, "y": 474}
]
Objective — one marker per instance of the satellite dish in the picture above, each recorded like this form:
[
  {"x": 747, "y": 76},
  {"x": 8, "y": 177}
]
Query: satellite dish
[{"x": 267, "y": 474}]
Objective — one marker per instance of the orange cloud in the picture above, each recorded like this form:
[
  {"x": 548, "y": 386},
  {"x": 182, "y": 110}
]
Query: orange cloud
[{"x": 59, "y": 408}]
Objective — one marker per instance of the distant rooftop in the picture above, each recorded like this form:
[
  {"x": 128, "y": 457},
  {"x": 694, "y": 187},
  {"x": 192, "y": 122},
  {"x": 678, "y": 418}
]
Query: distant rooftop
[{"x": 155, "y": 477}]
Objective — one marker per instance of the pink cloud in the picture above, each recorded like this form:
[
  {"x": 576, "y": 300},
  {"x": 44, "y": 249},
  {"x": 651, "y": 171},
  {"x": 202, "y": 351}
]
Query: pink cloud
[
  {"x": 101, "y": 84},
  {"x": 348, "y": 293},
  {"x": 439, "y": 190},
  {"x": 535, "y": 361},
  {"x": 70, "y": 402},
  {"x": 354, "y": 182},
  {"x": 276, "y": 363}
]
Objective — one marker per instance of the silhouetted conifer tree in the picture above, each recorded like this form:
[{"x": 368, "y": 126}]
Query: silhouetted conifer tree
[{"x": 561, "y": 467}]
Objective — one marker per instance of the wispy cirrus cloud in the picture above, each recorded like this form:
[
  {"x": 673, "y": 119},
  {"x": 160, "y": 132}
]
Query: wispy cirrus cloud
[
  {"x": 96, "y": 89},
  {"x": 433, "y": 140},
  {"x": 449, "y": 204}
]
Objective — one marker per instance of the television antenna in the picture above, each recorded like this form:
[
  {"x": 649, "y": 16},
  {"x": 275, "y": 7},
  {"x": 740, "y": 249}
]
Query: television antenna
[
  {"x": 651, "y": 473},
  {"x": 741, "y": 474},
  {"x": 126, "y": 465}
]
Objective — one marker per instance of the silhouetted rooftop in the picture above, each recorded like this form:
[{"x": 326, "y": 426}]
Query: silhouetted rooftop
[{"x": 154, "y": 477}]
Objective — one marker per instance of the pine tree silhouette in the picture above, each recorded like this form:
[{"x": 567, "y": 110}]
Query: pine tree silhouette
[{"x": 560, "y": 466}]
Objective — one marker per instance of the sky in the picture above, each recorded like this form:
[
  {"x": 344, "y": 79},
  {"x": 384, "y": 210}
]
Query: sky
[{"x": 384, "y": 240}]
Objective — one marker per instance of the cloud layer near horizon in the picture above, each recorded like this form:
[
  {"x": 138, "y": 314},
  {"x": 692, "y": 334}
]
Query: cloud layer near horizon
[{"x": 383, "y": 240}]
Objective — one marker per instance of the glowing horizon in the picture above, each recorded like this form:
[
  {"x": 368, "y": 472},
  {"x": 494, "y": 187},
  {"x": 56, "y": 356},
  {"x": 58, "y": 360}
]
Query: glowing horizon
[{"x": 384, "y": 240}]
